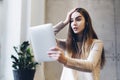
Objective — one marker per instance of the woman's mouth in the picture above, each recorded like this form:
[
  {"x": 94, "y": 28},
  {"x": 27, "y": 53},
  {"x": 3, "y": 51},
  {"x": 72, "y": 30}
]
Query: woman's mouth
[{"x": 75, "y": 28}]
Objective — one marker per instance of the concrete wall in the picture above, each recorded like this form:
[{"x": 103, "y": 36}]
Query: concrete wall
[
  {"x": 117, "y": 32},
  {"x": 106, "y": 21},
  {"x": 56, "y": 10},
  {"x": 37, "y": 12}
]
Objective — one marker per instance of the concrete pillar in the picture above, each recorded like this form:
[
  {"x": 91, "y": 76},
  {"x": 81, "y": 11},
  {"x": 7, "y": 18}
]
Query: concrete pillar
[{"x": 26, "y": 19}]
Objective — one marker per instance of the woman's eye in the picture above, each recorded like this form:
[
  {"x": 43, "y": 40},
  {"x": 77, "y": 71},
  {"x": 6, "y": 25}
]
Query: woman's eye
[{"x": 78, "y": 19}]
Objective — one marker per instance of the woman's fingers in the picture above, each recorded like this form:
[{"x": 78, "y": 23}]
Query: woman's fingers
[
  {"x": 53, "y": 48},
  {"x": 55, "y": 53},
  {"x": 56, "y": 48},
  {"x": 68, "y": 16}
]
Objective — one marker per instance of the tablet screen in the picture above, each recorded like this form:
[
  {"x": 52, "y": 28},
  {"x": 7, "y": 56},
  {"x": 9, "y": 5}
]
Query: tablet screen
[{"x": 42, "y": 39}]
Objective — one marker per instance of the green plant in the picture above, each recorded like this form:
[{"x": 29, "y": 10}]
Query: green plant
[{"x": 24, "y": 59}]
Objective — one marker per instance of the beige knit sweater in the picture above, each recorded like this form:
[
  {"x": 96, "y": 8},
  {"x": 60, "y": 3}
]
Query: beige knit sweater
[{"x": 86, "y": 68}]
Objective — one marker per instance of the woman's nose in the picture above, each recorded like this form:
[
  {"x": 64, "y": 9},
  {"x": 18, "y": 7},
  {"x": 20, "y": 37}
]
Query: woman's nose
[{"x": 74, "y": 23}]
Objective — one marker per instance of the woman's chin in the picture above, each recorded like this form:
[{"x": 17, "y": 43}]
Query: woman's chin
[{"x": 76, "y": 32}]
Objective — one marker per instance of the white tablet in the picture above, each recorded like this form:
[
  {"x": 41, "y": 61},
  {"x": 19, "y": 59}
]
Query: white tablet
[{"x": 42, "y": 39}]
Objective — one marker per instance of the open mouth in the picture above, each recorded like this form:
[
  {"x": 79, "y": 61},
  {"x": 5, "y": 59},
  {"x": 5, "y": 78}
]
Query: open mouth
[{"x": 75, "y": 28}]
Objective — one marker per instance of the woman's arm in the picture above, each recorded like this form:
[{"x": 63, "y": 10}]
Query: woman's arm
[
  {"x": 92, "y": 60},
  {"x": 58, "y": 27},
  {"x": 62, "y": 24}
]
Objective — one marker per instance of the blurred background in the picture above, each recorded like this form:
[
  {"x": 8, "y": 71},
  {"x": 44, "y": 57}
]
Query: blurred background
[{"x": 16, "y": 16}]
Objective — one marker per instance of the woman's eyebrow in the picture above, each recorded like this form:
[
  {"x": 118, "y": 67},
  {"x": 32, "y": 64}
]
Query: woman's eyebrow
[{"x": 77, "y": 17}]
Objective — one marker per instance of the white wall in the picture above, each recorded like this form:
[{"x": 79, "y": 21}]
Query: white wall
[
  {"x": 1, "y": 8},
  {"x": 12, "y": 30},
  {"x": 11, "y": 21},
  {"x": 1, "y": 12}
]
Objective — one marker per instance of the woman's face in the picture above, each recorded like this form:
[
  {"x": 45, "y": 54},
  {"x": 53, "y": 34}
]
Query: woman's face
[{"x": 77, "y": 22}]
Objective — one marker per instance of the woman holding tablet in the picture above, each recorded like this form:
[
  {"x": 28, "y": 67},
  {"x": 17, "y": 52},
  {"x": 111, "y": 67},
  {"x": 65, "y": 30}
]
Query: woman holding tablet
[{"x": 82, "y": 53}]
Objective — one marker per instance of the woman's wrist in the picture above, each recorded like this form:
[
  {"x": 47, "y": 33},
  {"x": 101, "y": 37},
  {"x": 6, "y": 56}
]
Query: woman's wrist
[
  {"x": 65, "y": 22},
  {"x": 65, "y": 61}
]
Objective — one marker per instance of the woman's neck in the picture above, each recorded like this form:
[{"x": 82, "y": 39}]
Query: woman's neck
[{"x": 79, "y": 37}]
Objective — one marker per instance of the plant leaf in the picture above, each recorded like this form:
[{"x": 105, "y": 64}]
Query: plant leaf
[{"x": 13, "y": 57}]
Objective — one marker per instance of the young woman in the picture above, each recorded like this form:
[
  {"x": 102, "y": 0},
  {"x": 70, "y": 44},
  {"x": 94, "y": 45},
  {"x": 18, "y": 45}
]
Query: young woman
[{"x": 82, "y": 53}]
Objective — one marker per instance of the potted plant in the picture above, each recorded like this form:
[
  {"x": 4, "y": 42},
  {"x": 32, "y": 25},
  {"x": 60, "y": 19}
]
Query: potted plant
[{"x": 23, "y": 63}]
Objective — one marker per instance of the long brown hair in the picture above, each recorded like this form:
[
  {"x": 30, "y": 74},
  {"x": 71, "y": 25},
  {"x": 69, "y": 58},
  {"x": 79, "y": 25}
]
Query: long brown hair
[{"x": 87, "y": 36}]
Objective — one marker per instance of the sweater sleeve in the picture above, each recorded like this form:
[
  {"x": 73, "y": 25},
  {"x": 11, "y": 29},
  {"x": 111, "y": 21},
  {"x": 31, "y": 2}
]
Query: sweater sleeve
[
  {"x": 60, "y": 42},
  {"x": 58, "y": 27},
  {"x": 89, "y": 63}
]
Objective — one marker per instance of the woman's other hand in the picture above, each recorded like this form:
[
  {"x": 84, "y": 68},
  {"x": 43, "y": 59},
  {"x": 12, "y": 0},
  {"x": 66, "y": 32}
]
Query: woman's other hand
[
  {"x": 57, "y": 53},
  {"x": 67, "y": 20}
]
